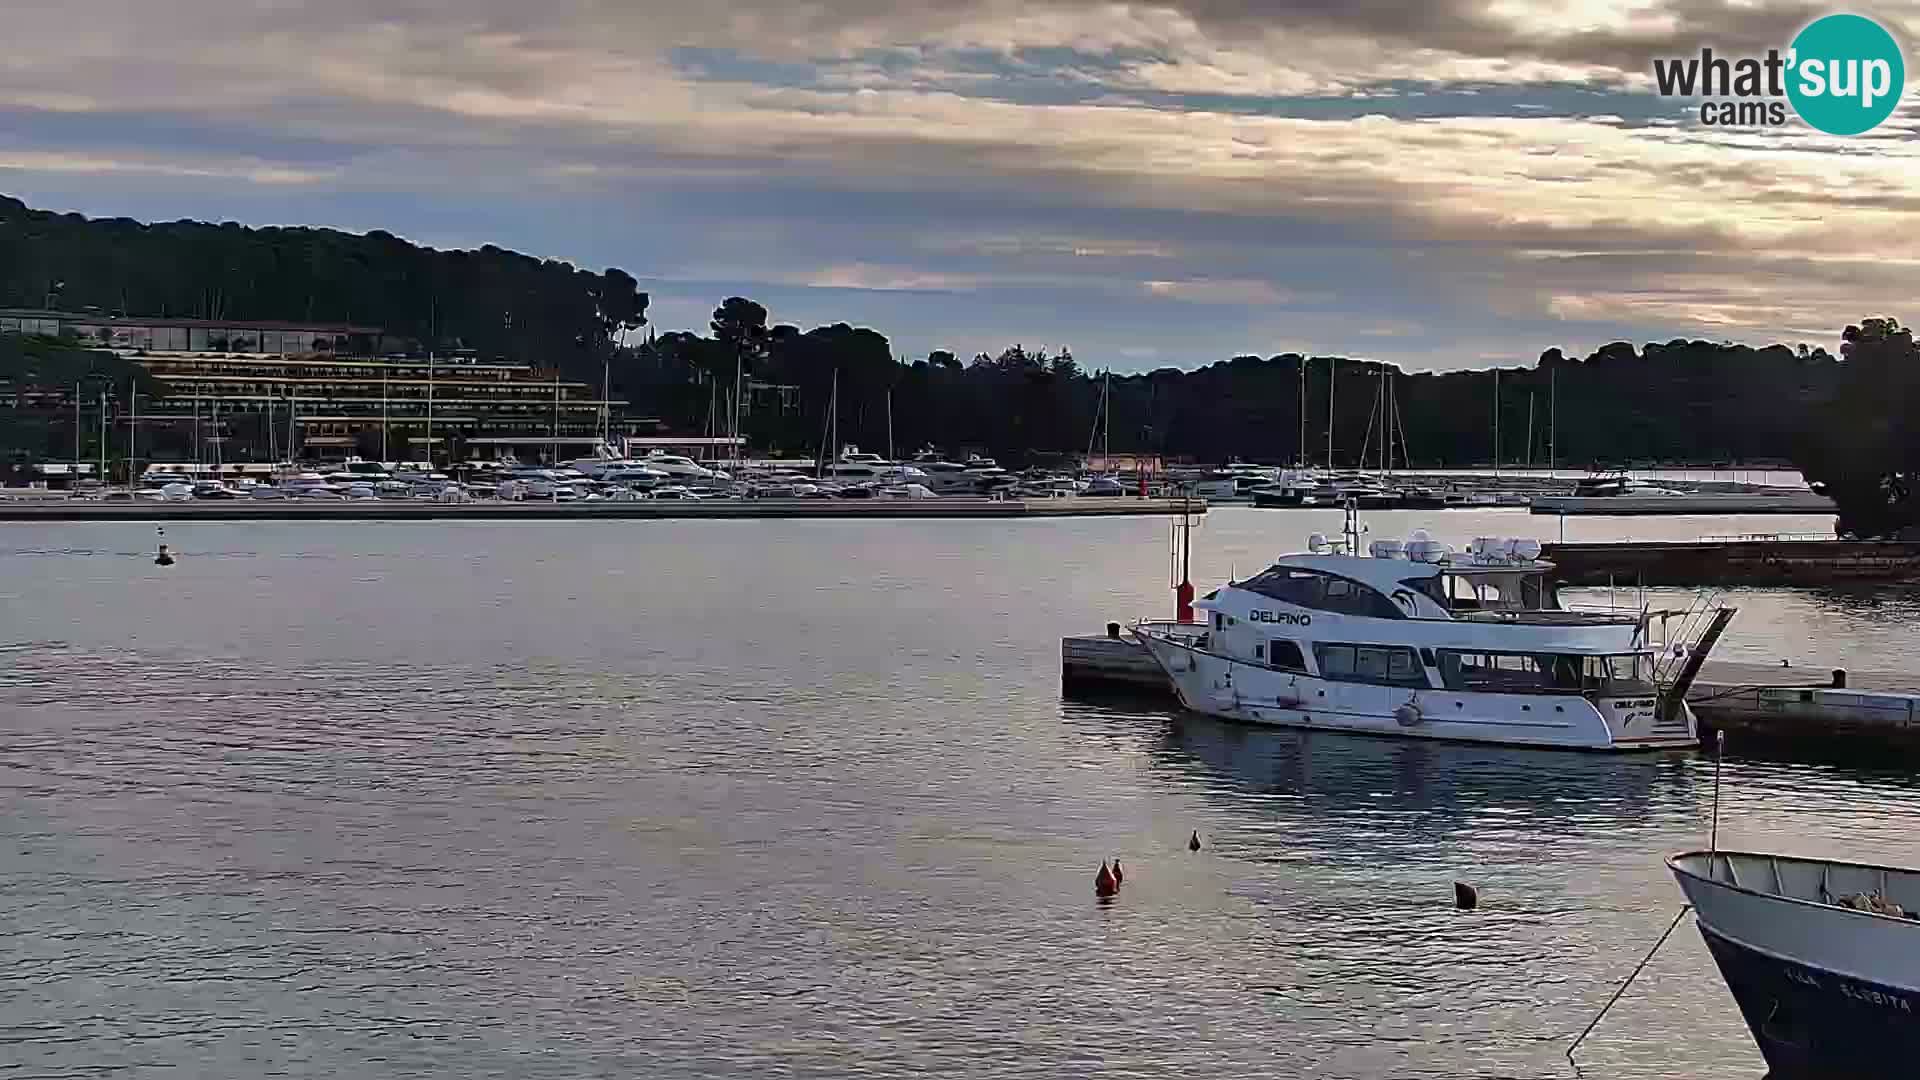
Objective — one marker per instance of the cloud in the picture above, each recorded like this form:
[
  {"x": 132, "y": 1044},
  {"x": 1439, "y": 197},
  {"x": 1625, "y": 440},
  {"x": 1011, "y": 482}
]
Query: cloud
[
  {"x": 1216, "y": 291},
  {"x": 1022, "y": 163}
]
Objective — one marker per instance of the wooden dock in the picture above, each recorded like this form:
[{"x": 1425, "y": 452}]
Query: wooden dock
[
  {"x": 531, "y": 510},
  {"x": 1749, "y": 701}
]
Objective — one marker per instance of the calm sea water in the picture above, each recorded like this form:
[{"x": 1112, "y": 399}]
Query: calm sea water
[{"x": 804, "y": 799}]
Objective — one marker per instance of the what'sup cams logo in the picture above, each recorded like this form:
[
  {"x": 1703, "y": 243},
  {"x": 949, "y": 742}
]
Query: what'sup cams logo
[{"x": 1843, "y": 75}]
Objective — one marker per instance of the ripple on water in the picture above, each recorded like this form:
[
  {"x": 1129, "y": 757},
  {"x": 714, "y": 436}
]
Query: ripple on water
[{"x": 685, "y": 799}]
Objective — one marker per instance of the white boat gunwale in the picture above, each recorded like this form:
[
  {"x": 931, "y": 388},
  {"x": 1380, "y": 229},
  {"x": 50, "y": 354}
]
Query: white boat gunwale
[{"x": 1679, "y": 869}]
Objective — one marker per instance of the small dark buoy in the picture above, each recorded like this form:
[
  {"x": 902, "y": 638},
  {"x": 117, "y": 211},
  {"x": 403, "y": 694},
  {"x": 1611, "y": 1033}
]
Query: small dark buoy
[
  {"x": 1103, "y": 882},
  {"x": 1119, "y": 875},
  {"x": 163, "y": 559},
  {"x": 1193, "y": 842},
  {"x": 1465, "y": 896}
]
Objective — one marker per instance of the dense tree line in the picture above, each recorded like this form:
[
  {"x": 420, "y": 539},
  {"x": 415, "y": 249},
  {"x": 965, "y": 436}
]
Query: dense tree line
[
  {"x": 496, "y": 302},
  {"x": 1843, "y": 418}
]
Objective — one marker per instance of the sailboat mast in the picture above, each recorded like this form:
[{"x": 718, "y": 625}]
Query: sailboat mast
[
  {"x": 103, "y": 435},
  {"x": 1106, "y": 423},
  {"x": 1529, "y": 429},
  {"x": 429, "y": 405},
  {"x": 1553, "y": 417},
  {"x": 383, "y": 416},
  {"x": 1332, "y": 379},
  {"x": 1301, "y": 460},
  {"x": 1496, "y": 421}
]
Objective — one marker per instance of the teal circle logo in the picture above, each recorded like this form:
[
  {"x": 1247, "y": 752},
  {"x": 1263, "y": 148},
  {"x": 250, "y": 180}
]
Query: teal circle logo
[{"x": 1845, "y": 74}]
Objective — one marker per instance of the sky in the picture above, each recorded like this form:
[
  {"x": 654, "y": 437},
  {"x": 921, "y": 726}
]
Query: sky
[{"x": 1436, "y": 183}]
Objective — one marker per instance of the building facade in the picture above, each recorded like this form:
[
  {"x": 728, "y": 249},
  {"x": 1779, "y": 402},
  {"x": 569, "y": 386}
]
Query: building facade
[{"x": 270, "y": 391}]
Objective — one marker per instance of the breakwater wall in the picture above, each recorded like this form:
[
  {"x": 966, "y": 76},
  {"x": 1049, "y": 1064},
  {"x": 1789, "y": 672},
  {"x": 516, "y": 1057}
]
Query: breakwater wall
[{"x": 1737, "y": 562}]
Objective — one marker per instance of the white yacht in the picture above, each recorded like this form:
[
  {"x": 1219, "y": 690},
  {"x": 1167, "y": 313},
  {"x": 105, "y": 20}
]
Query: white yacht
[
  {"x": 851, "y": 455},
  {"x": 946, "y": 477},
  {"x": 678, "y": 467},
  {"x": 1415, "y": 640}
]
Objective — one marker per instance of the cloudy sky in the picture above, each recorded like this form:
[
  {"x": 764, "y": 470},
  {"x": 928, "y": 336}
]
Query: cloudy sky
[{"x": 1442, "y": 183}]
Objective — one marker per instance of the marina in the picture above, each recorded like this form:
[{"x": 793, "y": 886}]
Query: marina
[{"x": 636, "y": 510}]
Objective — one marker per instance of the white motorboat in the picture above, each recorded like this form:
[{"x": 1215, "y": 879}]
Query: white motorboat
[
  {"x": 677, "y": 467},
  {"x": 946, "y": 477},
  {"x": 1415, "y": 640},
  {"x": 1823, "y": 958}
]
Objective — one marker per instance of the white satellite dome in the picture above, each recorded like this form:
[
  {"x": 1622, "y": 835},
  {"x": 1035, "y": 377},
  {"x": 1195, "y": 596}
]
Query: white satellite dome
[
  {"x": 1418, "y": 536},
  {"x": 1526, "y": 549},
  {"x": 1317, "y": 543},
  {"x": 1426, "y": 551}
]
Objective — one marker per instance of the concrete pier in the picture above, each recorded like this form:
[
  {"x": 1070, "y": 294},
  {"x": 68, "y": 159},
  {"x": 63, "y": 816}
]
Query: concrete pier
[
  {"x": 1748, "y": 561},
  {"x": 1783, "y": 501},
  {"x": 646, "y": 509}
]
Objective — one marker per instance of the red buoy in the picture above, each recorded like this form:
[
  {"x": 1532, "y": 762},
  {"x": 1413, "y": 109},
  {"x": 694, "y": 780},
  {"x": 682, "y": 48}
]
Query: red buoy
[
  {"x": 1119, "y": 875},
  {"x": 1104, "y": 883},
  {"x": 1183, "y": 601}
]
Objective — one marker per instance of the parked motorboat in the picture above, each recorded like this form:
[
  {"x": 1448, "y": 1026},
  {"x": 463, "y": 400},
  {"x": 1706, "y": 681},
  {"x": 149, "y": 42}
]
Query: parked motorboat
[
  {"x": 1822, "y": 956},
  {"x": 1420, "y": 641}
]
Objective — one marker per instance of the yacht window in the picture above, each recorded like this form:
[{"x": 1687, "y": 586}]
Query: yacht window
[
  {"x": 1336, "y": 661},
  {"x": 1323, "y": 592},
  {"x": 1299, "y": 587},
  {"x": 1381, "y": 664},
  {"x": 1433, "y": 588},
  {"x": 1259, "y": 652},
  {"x": 1286, "y": 654},
  {"x": 1515, "y": 673}
]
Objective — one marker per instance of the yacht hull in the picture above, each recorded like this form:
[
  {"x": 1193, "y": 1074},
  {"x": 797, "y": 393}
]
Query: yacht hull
[
  {"x": 1813, "y": 1023},
  {"x": 1827, "y": 992},
  {"x": 1235, "y": 690}
]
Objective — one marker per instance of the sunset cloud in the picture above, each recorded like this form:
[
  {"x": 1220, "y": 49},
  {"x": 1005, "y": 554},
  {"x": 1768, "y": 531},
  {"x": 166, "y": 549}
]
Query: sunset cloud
[{"x": 1191, "y": 178}]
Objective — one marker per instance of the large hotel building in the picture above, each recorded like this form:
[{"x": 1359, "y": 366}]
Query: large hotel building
[{"x": 337, "y": 389}]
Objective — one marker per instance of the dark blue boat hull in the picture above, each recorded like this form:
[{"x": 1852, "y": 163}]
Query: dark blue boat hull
[{"x": 1812, "y": 1023}]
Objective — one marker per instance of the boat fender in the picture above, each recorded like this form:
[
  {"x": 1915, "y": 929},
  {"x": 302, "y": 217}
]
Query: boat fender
[
  {"x": 1408, "y": 714},
  {"x": 1119, "y": 875},
  {"x": 1193, "y": 841},
  {"x": 1465, "y": 896}
]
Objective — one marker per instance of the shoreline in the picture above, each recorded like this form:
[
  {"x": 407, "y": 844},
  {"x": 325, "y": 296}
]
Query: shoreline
[{"x": 640, "y": 510}]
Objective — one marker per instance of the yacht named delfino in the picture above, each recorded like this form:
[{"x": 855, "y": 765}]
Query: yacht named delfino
[{"x": 1416, "y": 640}]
